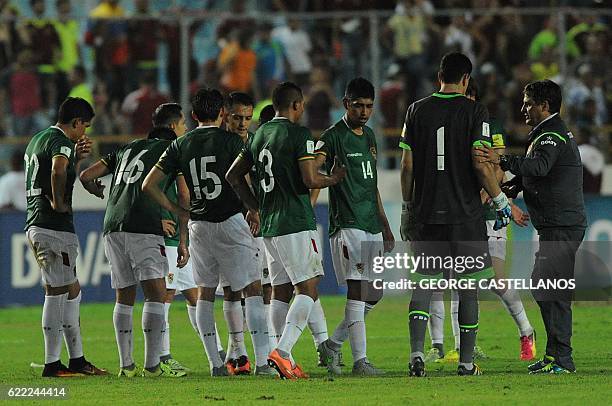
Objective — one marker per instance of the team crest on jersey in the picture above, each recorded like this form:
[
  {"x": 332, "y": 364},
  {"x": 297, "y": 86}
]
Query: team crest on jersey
[
  {"x": 359, "y": 267},
  {"x": 266, "y": 273},
  {"x": 373, "y": 151},
  {"x": 170, "y": 277}
]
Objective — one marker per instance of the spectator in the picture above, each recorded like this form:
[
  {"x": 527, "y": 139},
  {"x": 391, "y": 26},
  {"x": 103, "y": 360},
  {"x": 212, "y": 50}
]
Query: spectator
[
  {"x": 596, "y": 56},
  {"x": 593, "y": 164},
  {"x": 270, "y": 60},
  {"x": 103, "y": 124},
  {"x": 546, "y": 66},
  {"x": 320, "y": 100},
  {"x": 547, "y": 38},
  {"x": 576, "y": 36},
  {"x": 79, "y": 87},
  {"x": 393, "y": 104},
  {"x": 586, "y": 87},
  {"x": 237, "y": 62},
  {"x": 12, "y": 185},
  {"x": 140, "y": 104},
  {"x": 12, "y": 35},
  {"x": 144, "y": 34},
  {"x": 68, "y": 31},
  {"x": 297, "y": 45}
]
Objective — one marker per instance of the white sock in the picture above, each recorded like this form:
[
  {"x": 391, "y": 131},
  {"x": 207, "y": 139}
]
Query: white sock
[
  {"x": 219, "y": 345},
  {"x": 436, "y": 318},
  {"x": 235, "y": 324},
  {"x": 455, "y": 317},
  {"x": 153, "y": 326},
  {"x": 206, "y": 327},
  {"x": 72, "y": 327},
  {"x": 341, "y": 333},
  {"x": 278, "y": 318},
  {"x": 317, "y": 323},
  {"x": 271, "y": 339},
  {"x": 191, "y": 312},
  {"x": 256, "y": 322},
  {"x": 297, "y": 317},
  {"x": 354, "y": 315},
  {"x": 52, "y": 317},
  {"x": 165, "y": 348},
  {"x": 514, "y": 305},
  {"x": 122, "y": 320}
]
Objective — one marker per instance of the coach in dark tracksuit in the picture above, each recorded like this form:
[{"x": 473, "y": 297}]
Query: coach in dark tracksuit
[{"x": 550, "y": 175}]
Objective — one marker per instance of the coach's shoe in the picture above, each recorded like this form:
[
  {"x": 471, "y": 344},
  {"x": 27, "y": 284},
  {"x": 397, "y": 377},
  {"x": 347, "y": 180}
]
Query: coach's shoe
[
  {"x": 417, "y": 368},
  {"x": 265, "y": 370},
  {"x": 541, "y": 364},
  {"x": 528, "y": 347},
  {"x": 433, "y": 355},
  {"x": 58, "y": 370},
  {"x": 282, "y": 365},
  {"x": 219, "y": 371},
  {"x": 242, "y": 366},
  {"x": 558, "y": 369},
  {"x": 128, "y": 373},
  {"x": 162, "y": 371},
  {"x": 82, "y": 366},
  {"x": 463, "y": 371},
  {"x": 451, "y": 356},
  {"x": 479, "y": 353},
  {"x": 330, "y": 357},
  {"x": 363, "y": 368}
]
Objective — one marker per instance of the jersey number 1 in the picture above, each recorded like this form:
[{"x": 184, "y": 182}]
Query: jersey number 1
[{"x": 440, "y": 148}]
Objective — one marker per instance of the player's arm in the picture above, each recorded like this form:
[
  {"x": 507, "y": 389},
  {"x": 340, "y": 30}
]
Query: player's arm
[
  {"x": 90, "y": 178},
  {"x": 388, "y": 238},
  {"x": 236, "y": 177},
  {"x": 313, "y": 179},
  {"x": 184, "y": 202},
  {"x": 319, "y": 162},
  {"x": 59, "y": 167}
]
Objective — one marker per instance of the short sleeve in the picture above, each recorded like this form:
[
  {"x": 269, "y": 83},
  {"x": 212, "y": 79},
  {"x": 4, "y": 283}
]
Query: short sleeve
[
  {"x": 237, "y": 145},
  {"x": 324, "y": 146},
  {"x": 61, "y": 146},
  {"x": 246, "y": 152},
  {"x": 407, "y": 137},
  {"x": 305, "y": 145},
  {"x": 169, "y": 161},
  {"x": 110, "y": 161},
  {"x": 480, "y": 132}
]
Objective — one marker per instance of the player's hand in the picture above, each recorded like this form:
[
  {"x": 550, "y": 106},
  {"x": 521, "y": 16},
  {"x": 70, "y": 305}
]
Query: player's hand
[
  {"x": 408, "y": 226},
  {"x": 512, "y": 187},
  {"x": 169, "y": 228},
  {"x": 338, "y": 171},
  {"x": 59, "y": 207},
  {"x": 520, "y": 217},
  {"x": 183, "y": 256},
  {"x": 95, "y": 187},
  {"x": 252, "y": 218},
  {"x": 486, "y": 154},
  {"x": 388, "y": 238},
  {"x": 503, "y": 212},
  {"x": 83, "y": 148}
]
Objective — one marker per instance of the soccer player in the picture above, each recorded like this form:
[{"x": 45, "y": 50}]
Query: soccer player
[
  {"x": 283, "y": 154},
  {"x": 550, "y": 175},
  {"x": 359, "y": 229},
  {"x": 497, "y": 247},
  {"x": 220, "y": 240},
  {"x": 50, "y": 160},
  {"x": 442, "y": 211},
  {"x": 134, "y": 246}
]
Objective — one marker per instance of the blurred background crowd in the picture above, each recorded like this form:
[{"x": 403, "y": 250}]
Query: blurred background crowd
[{"x": 126, "y": 57}]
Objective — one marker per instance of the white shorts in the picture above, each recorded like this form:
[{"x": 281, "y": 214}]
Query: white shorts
[
  {"x": 56, "y": 253},
  {"x": 135, "y": 257},
  {"x": 179, "y": 279},
  {"x": 262, "y": 265},
  {"x": 294, "y": 258},
  {"x": 223, "y": 250},
  {"x": 353, "y": 252},
  {"x": 497, "y": 241}
]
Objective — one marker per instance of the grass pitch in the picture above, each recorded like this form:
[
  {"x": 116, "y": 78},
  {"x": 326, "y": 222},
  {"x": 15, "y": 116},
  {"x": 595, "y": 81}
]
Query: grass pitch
[{"x": 505, "y": 379}]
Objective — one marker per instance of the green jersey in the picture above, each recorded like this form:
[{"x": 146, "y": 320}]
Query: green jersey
[
  {"x": 284, "y": 202},
  {"x": 353, "y": 203},
  {"x": 41, "y": 150},
  {"x": 204, "y": 156},
  {"x": 498, "y": 140},
  {"x": 128, "y": 209},
  {"x": 172, "y": 195}
]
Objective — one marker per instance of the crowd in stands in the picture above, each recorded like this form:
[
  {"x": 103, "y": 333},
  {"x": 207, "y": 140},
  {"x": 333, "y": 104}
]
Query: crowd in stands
[{"x": 125, "y": 59}]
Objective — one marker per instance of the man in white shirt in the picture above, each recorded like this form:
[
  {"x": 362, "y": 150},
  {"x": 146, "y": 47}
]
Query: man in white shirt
[{"x": 12, "y": 185}]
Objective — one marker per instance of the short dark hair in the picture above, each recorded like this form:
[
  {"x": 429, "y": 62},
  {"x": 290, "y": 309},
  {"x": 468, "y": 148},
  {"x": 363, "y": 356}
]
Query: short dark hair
[
  {"x": 75, "y": 107},
  {"x": 545, "y": 90},
  {"x": 166, "y": 114},
  {"x": 266, "y": 114},
  {"x": 285, "y": 94},
  {"x": 238, "y": 98},
  {"x": 359, "y": 88},
  {"x": 453, "y": 66},
  {"x": 207, "y": 104},
  {"x": 473, "y": 90}
]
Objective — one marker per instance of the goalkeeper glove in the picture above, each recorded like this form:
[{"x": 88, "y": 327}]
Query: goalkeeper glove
[
  {"x": 503, "y": 211},
  {"x": 408, "y": 227}
]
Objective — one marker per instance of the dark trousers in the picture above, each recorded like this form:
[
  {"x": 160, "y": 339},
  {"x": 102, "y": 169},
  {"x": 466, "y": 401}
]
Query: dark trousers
[{"x": 555, "y": 260}]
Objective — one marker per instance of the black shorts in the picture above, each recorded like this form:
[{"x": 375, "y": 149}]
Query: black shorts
[{"x": 454, "y": 250}]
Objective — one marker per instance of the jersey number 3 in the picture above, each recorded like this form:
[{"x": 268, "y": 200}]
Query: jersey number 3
[{"x": 265, "y": 158}]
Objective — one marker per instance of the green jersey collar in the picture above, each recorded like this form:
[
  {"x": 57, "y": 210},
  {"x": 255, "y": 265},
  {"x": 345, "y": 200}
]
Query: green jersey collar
[{"x": 447, "y": 95}]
